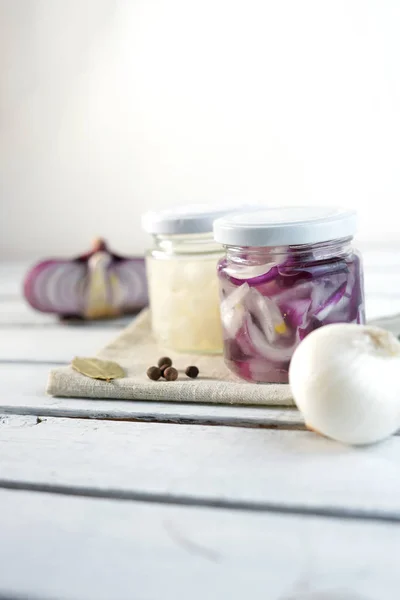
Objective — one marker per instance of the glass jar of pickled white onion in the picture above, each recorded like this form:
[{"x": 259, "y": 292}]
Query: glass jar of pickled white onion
[
  {"x": 183, "y": 285},
  {"x": 286, "y": 272}
]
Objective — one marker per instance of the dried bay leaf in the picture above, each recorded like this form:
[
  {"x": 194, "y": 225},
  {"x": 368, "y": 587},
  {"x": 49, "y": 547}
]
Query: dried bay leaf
[{"x": 97, "y": 368}]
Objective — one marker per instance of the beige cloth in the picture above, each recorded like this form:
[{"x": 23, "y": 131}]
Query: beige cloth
[{"x": 135, "y": 350}]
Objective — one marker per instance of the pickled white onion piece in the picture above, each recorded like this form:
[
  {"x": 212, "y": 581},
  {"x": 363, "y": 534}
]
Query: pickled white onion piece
[
  {"x": 267, "y": 314},
  {"x": 248, "y": 271},
  {"x": 274, "y": 353},
  {"x": 330, "y": 304},
  {"x": 232, "y": 310}
]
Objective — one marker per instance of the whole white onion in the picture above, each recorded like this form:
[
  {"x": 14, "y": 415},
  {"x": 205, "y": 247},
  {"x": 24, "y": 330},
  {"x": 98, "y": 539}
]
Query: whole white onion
[{"x": 345, "y": 379}]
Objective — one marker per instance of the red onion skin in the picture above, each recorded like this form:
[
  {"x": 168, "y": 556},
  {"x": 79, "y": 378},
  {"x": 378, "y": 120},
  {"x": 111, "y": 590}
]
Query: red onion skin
[{"x": 41, "y": 287}]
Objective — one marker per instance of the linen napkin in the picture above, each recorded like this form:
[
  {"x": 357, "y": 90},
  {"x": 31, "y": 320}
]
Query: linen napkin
[{"x": 135, "y": 350}]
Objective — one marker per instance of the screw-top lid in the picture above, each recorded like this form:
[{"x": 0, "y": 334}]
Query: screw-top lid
[
  {"x": 285, "y": 226},
  {"x": 192, "y": 218}
]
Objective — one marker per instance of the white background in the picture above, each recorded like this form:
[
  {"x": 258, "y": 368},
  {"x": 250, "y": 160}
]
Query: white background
[{"x": 111, "y": 107}]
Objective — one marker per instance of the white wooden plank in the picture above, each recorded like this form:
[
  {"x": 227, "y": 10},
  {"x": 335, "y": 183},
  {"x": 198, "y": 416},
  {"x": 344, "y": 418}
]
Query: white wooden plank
[
  {"x": 79, "y": 548},
  {"x": 15, "y": 312},
  {"x": 390, "y": 323},
  {"x": 380, "y": 308},
  {"x": 380, "y": 256},
  {"x": 385, "y": 285},
  {"x": 58, "y": 344},
  {"x": 61, "y": 343},
  {"x": 228, "y": 464},
  {"x": 382, "y": 281},
  {"x": 11, "y": 277},
  {"x": 23, "y": 393}
]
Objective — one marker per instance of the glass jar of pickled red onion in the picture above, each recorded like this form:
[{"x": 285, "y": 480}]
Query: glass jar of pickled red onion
[
  {"x": 182, "y": 281},
  {"x": 286, "y": 272}
]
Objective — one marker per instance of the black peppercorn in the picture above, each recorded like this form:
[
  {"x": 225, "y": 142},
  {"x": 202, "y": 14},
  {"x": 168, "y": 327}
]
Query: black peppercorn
[
  {"x": 153, "y": 373},
  {"x": 170, "y": 374},
  {"x": 162, "y": 369},
  {"x": 192, "y": 372},
  {"x": 164, "y": 361}
]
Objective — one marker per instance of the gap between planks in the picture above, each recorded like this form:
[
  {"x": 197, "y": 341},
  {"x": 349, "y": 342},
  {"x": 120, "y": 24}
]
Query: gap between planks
[
  {"x": 260, "y": 423},
  {"x": 111, "y": 548},
  {"x": 23, "y": 394},
  {"x": 202, "y": 502},
  {"x": 229, "y": 467},
  {"x": 57, "y": 325},
  {"x": 17, "y": 597},
  {"x": 29, "y": 361}
]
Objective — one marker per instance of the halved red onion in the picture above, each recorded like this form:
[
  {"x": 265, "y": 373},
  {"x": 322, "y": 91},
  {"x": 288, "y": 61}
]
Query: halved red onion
[
  {"x": 132, "y": 290},
  {"x": 56, "y": 286},
  {"x": 95, "y": 285}
]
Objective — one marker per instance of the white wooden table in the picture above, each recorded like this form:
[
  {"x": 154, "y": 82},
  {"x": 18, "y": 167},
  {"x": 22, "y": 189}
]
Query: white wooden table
[{"x": 133, "y": 500}]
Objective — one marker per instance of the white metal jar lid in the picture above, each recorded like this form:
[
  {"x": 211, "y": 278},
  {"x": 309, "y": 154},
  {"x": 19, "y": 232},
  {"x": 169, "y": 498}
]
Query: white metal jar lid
[
  {"x": 192, "y": 218},
  {"x": 286, "y": 226}
]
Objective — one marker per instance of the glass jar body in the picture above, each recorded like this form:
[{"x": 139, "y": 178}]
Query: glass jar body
[
  {"x": 183, "y": 292},
  {"x": 271, "y": 298}
]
